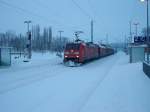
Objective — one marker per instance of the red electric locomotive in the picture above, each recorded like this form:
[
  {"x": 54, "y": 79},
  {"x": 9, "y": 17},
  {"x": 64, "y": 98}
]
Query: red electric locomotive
[{"x": 80, "y": 52}]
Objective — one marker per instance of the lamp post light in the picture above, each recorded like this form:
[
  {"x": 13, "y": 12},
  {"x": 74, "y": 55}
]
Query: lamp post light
[
  {"x": 28, "y": 23},
  {"x": 147, "y": 34},
  {"x": 142, "y": 0}
]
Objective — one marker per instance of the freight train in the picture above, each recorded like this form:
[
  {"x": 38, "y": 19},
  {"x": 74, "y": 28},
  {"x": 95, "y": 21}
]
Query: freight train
[{"x": 77, "y": 53}]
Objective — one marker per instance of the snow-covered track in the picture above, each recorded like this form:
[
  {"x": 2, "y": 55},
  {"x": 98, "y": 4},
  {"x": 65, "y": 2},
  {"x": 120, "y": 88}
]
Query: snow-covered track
[{"x": 30, "y": 79}]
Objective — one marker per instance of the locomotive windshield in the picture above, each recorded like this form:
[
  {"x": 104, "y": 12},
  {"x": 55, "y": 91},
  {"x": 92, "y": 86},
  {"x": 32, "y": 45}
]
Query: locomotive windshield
[{"x": 73, "y": 46}]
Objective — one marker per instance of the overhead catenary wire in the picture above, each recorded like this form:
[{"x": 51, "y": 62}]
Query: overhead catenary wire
[
  {"x": 21, "y": 9},
  {"x": 40, "y": 4},
  {"x": 92, "y": 8},
  {"x": 31, "y": 13},
  {"x": 98, "y": 19},
  {"x": 37, "y": 2},
  {"x": 82, "y": 10},
  {"x": 85, "y": 13}
]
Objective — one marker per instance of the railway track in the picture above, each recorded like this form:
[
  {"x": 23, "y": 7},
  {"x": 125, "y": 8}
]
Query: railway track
[
  {"x": 97, "y": 84},
  {"x": 29, "y": 79},
  {"x": 90, "y": 91},
  {"x": 27, "y": 67},
  {"x": 58, "y": 84}
]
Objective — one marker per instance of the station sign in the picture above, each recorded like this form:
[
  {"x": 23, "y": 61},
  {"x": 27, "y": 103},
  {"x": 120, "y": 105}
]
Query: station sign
[{"x": 139, "y": 39}]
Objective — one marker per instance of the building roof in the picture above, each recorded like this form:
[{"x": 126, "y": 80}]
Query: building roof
[{"x": 137, "y": 45}]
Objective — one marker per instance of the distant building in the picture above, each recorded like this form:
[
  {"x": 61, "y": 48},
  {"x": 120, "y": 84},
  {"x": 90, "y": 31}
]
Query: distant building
[{"x": 5, "y": 56}]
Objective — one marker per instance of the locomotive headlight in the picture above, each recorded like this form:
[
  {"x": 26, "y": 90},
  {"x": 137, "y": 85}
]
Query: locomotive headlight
[
  {"x": 66, "y": 56},
  {"x": 77, "y": 56}
]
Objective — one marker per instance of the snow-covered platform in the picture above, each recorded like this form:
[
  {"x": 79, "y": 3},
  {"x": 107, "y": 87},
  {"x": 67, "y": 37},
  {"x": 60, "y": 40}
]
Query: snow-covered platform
[{"x": 110, "y": 84}]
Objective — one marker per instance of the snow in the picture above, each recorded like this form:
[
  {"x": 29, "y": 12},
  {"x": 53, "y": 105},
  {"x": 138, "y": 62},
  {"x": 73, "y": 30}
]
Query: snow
[
  {"x": 45, "y": 85},
  {"x": 125, "y": 89}
]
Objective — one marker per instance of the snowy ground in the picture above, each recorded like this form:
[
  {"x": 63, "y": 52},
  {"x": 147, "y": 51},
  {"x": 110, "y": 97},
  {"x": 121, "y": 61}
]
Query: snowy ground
[{"x": 110, "y": 84}]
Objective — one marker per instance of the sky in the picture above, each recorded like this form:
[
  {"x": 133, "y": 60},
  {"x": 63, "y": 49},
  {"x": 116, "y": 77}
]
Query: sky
[{"x": 111, "y": 17}]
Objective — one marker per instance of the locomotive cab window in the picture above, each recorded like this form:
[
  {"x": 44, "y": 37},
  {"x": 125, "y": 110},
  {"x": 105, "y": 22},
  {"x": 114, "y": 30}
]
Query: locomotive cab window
[{"x": 73, "y": 46}]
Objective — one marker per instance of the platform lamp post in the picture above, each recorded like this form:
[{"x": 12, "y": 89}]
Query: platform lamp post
[
  {"x": 147, "y": 34},
  {"x": 28, "y": 46},
  {"x": 136, "y": 28},
  {"x": 60, "y": 36},
  {"x": 60, "y": 32},
  {"x": 130, "y": 23}
]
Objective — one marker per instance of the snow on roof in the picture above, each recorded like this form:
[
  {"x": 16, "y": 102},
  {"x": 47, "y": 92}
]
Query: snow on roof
[
  {"x": 142, "y": 45},
  {"x": 102, "y": 46}
]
